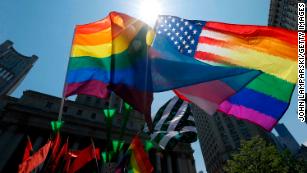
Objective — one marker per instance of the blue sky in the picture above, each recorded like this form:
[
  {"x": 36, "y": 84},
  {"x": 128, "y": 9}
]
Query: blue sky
[{"x": 45, "y": 28}]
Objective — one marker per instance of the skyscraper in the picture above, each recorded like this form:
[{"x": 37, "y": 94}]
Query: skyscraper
[
  {"x": 220, "y": 135},
  {"x": 286, "y": 138},
  {"x": 283, "y": 13},
  {"x": 13, "y": 67}
]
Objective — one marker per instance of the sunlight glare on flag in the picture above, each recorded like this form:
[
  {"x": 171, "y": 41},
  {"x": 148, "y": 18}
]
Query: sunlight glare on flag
[{"x": 149, "y": 10}]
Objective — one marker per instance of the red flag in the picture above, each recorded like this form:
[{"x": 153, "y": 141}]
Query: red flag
[
  {"x": 68, "y": 158},
  {"x": 139, "y": 156},
  {"x": 61, "y": 154},
  {"x": 55, "y": 146},
  {"x": 84, "y": 156},
  {"x": 35, "y": 160},
  {"x": 67, "y": 165},
  {"x": 28, "y": 150}
]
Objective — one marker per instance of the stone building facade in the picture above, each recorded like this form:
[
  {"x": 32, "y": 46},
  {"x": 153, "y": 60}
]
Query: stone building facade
[
  {"x": 32, "y": 113},
  {"x": 13, "y": 67}
]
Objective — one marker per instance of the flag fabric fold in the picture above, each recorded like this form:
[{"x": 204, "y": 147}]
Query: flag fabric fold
[
  {"x": 55, "y": 146},
  {"x": 67, "y": 159},
  {"x": 139, "y": 158},
  {"x": 111, "y": 55},
  {"x": 173, "y": 123},
  {"x": 136, "y": 160},
  {"x": 28, "y": 150},
  {"x": 171, "y": 64},
  {"x": 84, "y": 156},
  {"x": 35, "y": 160},
  {"x": 271, "y": 50},
  {"x": 56, "y": 163},
  {"x": 261, "y": 95},
  {"x": 236, "y": 64},
  {"x": 209, "y": 95}
]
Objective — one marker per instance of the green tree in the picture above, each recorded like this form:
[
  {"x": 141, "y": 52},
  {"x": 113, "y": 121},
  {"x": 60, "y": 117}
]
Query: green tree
[
  {"x": 295, "y": 165},
  {"x": 256, "y": 156}
]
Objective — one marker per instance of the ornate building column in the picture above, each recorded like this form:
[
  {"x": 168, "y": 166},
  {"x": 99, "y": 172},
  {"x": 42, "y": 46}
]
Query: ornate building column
[
  {"x": 158, "y": 163},
  {"x": 178, "y": 163},
  {"x": 191, "y": 168},
  {"x": 169, "y": 163}
]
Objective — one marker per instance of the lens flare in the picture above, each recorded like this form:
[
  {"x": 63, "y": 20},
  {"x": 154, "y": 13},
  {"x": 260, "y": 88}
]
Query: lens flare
[{"x": 149, "y": 10}]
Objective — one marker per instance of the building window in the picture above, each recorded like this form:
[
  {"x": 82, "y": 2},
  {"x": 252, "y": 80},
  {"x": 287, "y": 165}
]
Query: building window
[
  {"x": 93, "y": 116},
  {"x": 65, "y": 108},
  {"x": 6, "y": 75},
  {"x": 49, "y": 105},
  {"x": 79, "y": 112},
  {"x": 2, "y": 73},
  {"x": 9, "y": 77}
]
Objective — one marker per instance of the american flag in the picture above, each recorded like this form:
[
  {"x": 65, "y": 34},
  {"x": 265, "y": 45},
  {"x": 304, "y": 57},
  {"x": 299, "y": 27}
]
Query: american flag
[
  {"x": 182, "y": 33},
  {"x": 268, "y": 52},
  {"x": 194, "y": 38}
]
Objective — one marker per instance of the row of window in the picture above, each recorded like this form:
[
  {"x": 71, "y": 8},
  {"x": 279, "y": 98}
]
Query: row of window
[
  {"x": 6, "y": 75},
  {"x": 233, "y": 132},
  {"x": 79, "y": 112},
  {"x": 49, "y": 105},
  {"x": 243, "y": 129},
  {"x": 97, "y": 100},
  {"x": 223, "y": 133}
]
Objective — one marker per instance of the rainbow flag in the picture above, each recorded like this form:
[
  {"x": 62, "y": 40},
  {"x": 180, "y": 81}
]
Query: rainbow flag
[
  {"x": 139, "y": 160},
  {"x": 273, "y": 51},
  {"x": 111, "y": 55},
  {"x": 136, "y": 160},
  {"x": 261, "y": 96},
  {"x": 248, "y": 71}
]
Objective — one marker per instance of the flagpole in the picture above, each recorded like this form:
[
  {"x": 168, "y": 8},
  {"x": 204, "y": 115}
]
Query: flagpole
[
  {"x": 95, "y": 155},
  {"x": 64, "y": 86},
  {"x": 61, "y": 109},
  {"x": 31, "y": 152},
  {"x": 124, "y": 125},
  {"x": 148, "y": 117},
  {"x": 109, "y": 127},
  {"x": 62, "y": 99}
]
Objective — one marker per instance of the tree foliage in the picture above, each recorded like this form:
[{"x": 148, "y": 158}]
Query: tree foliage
[{"x": 256, "y": 156}]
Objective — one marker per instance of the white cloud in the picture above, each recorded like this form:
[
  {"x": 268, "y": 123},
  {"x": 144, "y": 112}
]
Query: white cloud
[{"x": 305, "y": 143}]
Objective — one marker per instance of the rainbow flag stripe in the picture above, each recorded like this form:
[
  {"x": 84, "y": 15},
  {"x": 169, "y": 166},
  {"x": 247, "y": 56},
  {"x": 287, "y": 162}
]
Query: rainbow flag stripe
[
  {"x": 135, "y": 160},
  {"x": 139, "y": 160},
  {"x": 113, "y": 54},
  {"x": 250, "y": 71},
  {"x": 110, "y": 54},
  {"x": 271, "y": 50},
  {"x": 92, "y": 51},
  {"x": 261, "y": 95}
]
